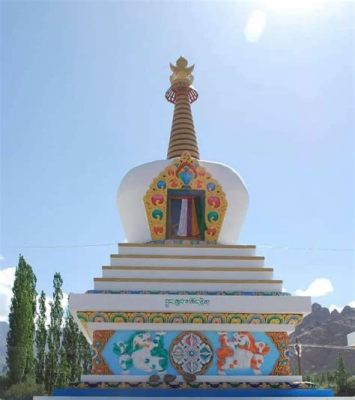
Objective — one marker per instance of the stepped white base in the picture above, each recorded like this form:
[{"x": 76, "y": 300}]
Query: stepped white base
[
  {"x": 205, "y": 378},
  {"x": 172, "y": 249},
  {"x": 182, "y": 398},
  {"x": 213, "y": 303}
]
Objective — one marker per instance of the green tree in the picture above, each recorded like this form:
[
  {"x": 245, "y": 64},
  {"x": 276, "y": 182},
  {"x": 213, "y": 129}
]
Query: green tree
[
  {"x": 341, "y": 377},
  {"x": 350, "y": 386},
  {"x": 64, "y": 370},
  {"x": 330, "y": 378},
  {"x": 24, "y": 390},
  {"x": 54, "y": 335},
  {"x": 4, "y": 385},
  {"x": 20, "y": 338},
  {"x": 85, "y": 355},
  {"x": 71, "y": 347},
  {"x": 41, "y": 339}
]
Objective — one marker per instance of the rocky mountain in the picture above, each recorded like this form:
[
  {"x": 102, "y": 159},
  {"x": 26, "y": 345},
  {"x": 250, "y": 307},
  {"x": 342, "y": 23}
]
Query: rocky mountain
[
  {"x": 4, "y": 327},
  {"x": 325, "y": 328}
]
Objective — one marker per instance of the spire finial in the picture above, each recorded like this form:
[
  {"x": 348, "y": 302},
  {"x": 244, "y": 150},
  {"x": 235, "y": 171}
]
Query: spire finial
[{"x": 181, "y": 72}]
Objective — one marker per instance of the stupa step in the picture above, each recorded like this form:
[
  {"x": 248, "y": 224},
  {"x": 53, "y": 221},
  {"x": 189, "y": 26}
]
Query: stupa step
[
  {"x": 185, "y": 249},
  {"x": 211, "y": 378},
  {"x": 188, "y": 273},
  {"x": 164, "y": 302},
  {"x": 116, "y": 284},
  {"x": 177, "y": 260}
]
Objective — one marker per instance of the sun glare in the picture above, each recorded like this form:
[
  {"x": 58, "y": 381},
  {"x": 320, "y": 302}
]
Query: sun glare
[
  {"x": 293, "y": 6},
  {"x": 257, "y": 20},
  {"x": 255, "y": 26}
]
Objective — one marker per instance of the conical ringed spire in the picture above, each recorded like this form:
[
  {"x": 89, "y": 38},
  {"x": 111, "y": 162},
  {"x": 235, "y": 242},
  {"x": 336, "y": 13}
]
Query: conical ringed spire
[{"x": 182, "y": 94}]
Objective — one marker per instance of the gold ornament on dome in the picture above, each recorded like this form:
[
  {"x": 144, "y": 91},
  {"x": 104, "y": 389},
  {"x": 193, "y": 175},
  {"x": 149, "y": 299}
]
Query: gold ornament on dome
[{"x": 184, "y": 202}]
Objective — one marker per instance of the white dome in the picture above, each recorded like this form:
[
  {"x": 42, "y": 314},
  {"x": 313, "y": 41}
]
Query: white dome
[{"x": 135, "y": 184}]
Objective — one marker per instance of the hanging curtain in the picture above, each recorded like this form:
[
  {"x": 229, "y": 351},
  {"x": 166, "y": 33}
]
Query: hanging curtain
[
  {"x": 191, "y": 220},
  {"x": 195, "y": 231},
  {"x": 200, "y": 217},
  {"x": 182, "y": 229}
]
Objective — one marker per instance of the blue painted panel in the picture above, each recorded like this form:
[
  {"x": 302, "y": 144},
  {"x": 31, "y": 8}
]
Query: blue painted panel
[{"x": 149, "y": 352}]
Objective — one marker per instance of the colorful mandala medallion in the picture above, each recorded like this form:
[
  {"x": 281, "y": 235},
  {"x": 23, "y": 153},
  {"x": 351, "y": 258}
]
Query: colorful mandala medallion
[{"x": 191, "y": 353}]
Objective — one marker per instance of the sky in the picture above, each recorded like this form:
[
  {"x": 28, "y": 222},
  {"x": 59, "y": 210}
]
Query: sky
[{"x": 82, "y": 102}]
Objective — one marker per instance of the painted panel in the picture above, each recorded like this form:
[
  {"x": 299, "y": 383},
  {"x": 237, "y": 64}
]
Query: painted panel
[
  {"x": 187, "y": 317},
  {"x": 198, "y": 353}
]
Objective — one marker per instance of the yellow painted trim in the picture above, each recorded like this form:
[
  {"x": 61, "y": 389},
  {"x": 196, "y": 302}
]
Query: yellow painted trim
[
  {"x": 244, "y": 281},
  {"x": 189, "y": 245},
  {"x": 161, "y": 256},
  {"x": 153, "y": 317},
  {"x": 196, "y": 269},
  {"x": 156, "y": 210}
]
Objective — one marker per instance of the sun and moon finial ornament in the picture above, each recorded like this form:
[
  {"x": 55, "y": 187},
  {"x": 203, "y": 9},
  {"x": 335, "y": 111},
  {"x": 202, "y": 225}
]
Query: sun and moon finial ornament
[
  {"x": 181, "y": 81},
  {"x": 181, "y": 72}
]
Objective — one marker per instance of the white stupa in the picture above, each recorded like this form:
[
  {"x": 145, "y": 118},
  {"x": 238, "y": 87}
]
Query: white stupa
[{"x": 181, "y": 302}]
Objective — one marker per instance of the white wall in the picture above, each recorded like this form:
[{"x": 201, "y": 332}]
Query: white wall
[{"x": 137, "y": 181}]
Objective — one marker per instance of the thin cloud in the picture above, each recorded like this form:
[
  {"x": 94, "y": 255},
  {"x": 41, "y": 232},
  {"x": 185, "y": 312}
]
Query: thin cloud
[
  {"x": 7, "y": 277},
  {"x": 319, "y": 287},
  {"x": 333, "y": 307}
]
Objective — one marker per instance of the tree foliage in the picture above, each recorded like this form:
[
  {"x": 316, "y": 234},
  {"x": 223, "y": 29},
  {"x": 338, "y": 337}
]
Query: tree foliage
[
  {"x": 71, "y": 347},
  {"x": 85, "y": 355},
  {"x": 54, "y": 335},
  {"x": 350, "y": 391},
  {"x": 24, "y": 390},
  {"x": 76, "y": 351},
  {"x": 20, "y": 337},
  {"x": 41, "y": 339},
  {"x": 341, "y": 377},
  {"x": 64, "y": 370},
  {"x": 62, "y": 353},
  {"x": 4, "y": 385}
]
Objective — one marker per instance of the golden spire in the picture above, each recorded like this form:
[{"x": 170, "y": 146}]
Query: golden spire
[{"x": 182, "y": 94}]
